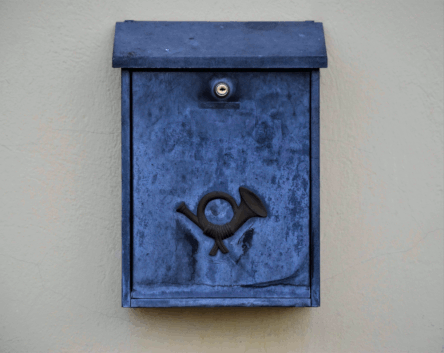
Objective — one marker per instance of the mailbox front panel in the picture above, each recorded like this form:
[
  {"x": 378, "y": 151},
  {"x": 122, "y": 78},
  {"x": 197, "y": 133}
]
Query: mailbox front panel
[{"x": 187, "y": 143}]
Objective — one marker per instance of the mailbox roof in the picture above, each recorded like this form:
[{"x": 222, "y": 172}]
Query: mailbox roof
[{"x": 213, "y": 45}]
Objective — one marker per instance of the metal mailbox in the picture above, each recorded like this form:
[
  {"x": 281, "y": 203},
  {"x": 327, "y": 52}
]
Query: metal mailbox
[{"x": 220, "y": 162}]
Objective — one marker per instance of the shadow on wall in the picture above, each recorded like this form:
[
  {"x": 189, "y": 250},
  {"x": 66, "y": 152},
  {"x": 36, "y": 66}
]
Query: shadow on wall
[{"x": 249, "y": 323}]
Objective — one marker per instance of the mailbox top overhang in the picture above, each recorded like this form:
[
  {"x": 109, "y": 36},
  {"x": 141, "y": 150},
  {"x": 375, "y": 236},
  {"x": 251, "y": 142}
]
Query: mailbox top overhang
[{"x": 219, "y": 45}]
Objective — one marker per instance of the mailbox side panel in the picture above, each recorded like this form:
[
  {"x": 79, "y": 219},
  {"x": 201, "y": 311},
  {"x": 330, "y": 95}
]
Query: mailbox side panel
[
  {"x": 315, "y": 191},
  {"x": 126, "y": 188}
]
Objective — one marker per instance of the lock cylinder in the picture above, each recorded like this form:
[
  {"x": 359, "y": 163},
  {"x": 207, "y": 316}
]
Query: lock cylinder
[{"x": 221, "y": 89}]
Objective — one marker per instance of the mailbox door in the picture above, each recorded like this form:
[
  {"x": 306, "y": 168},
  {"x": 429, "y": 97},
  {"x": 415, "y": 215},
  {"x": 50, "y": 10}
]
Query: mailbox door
[{"x": 187, "y": 143}]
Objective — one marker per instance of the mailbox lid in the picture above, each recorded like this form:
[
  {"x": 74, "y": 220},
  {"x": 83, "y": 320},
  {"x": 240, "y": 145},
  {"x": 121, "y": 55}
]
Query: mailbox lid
[
  {"x": 186, "y": 144},
  {"x": 180, "y": 45}
]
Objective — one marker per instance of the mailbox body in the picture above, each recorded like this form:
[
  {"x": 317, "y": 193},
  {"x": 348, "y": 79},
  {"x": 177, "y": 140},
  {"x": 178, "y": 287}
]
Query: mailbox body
[{"x": 180, "y": 142}]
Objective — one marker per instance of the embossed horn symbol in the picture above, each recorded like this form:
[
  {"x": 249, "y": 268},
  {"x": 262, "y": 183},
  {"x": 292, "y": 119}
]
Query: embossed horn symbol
[{"x": 250, "y": 206}]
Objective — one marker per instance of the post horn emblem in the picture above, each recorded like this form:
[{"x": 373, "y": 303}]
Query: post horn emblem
[{"x": 250, "y": 206}]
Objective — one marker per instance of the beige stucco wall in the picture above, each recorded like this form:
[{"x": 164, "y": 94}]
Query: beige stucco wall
[{"x": 382, "y": 184}]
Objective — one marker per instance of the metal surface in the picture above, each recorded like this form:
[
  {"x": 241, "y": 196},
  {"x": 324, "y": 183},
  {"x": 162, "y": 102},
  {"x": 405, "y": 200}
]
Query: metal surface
[
  {"x": 182, "y": 142},
  {"x": 250, "y": 206},
  {"x": 126, "y": 188},
  {"x": 184, "y": 148},
  {"x": 216, "y": 45}
]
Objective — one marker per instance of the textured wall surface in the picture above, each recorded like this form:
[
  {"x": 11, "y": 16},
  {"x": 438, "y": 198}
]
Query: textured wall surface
[{"x": 381, "y": 200}]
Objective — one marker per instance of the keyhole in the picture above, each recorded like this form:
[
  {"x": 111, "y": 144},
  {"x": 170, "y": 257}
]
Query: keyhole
[{"x": 221, "y": 89}]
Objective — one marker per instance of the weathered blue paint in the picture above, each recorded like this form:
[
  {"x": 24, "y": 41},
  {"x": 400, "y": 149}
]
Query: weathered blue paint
[
  {"x": 126, "y": 188},
  {"x": 219, "y": 302},
  {"x": 182, "y": 151},
  {"x": 180, "y": 142},
  {"x": 315, "y": 192},
  {"x": 213, "y": 45}
]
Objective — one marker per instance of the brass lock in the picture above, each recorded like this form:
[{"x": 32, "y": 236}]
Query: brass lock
[{"x": 221, "y": 89}]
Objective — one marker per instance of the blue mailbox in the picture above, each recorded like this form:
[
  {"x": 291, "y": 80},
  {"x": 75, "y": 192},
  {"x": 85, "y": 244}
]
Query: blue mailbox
[{"x": 220, "y": 162}]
